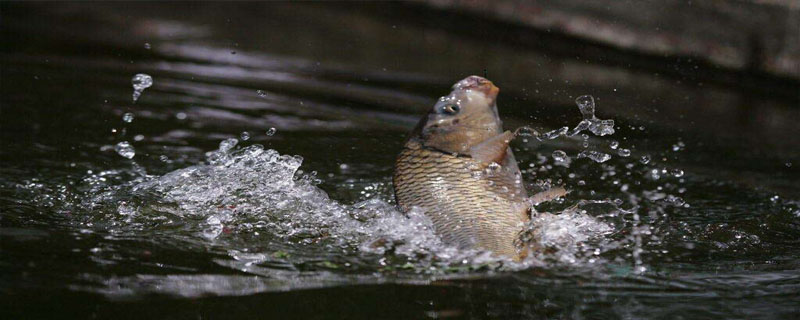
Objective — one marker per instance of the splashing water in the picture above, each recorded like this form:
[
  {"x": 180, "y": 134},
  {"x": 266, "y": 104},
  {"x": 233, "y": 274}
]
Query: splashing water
[
  {"x": 596, "y": 156},
  {"x": 125, "y": 149},
  {"x": 590, "y": 122},
  {"x": 140, "y": 82},
  {"x": 596, "y": 126}
]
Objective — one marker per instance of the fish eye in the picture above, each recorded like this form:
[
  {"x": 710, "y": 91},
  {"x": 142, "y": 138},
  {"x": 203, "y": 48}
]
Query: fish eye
[{"x": 451, "y": 108}]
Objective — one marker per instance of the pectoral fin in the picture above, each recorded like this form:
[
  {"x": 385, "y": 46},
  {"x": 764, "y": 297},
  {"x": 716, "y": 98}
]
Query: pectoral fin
[
  {"x": 547, "y": 195},
  {"x": 492, "y": 150}
]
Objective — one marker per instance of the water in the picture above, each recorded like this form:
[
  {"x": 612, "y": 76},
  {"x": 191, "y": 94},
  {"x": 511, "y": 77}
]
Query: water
[
  {"x": 251, "y": 185},
  {"x": 140, "y": 82}
]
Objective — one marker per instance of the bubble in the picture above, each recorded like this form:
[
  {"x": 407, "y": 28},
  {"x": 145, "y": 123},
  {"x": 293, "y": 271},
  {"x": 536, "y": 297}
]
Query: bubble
[
  {"x": 624, "y": 152},
  {"x": 125, "y": 149},
  {"x": 140, "y": 82},
  {"x": 645, "y": 159},
  {"x": 261, "y": 93},
  {"x": 271, "y": 131},
  {"x": 127, "y": 117},
  {"x": 244, "y": 136}
]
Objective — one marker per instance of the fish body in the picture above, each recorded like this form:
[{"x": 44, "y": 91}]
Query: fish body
[{"x": 458, "y": 168}]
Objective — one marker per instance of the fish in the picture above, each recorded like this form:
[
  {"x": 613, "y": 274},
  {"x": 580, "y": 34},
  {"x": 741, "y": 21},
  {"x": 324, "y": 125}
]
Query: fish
[{"x": 457, "y": 166}]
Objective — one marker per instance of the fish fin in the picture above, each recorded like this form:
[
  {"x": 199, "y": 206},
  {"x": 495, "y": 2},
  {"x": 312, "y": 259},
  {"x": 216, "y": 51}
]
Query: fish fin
[
  {"x": 493, "y": 149},
  {"x": 548, "y": 195}
]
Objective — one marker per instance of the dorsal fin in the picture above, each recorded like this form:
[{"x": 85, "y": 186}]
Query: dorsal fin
[{"x": 493, "y": 149}]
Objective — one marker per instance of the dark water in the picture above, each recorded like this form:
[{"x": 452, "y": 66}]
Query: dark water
[{"x": 709, "y": 227}]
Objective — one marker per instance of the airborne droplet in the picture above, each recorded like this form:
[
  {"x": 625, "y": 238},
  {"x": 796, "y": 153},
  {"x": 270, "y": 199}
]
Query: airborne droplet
[
  {"x": 596, "y": 156},
  {"x": 127, "y": 117},
  {"x": 125, "y": 149},
  {"x": 140, "y": 82},
  {"x": 559, "y": 156},
  {"x": 271, "y": 131}
]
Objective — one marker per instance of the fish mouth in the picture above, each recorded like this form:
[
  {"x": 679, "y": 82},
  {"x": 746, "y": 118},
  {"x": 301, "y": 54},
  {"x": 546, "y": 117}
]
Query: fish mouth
[{"x": 479, "y": 84}]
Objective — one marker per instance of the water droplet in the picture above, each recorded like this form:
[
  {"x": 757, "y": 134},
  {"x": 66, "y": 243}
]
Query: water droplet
[
  {"x": 645, "y": 159},
  {"x": 678, "y": 146},
  {"x": 147, "y": 45},
  {"x": 596, "y": 156},
  {"x": 271, "y": 131},
  {"x": 227, "y": 144},
  {"x": 138, "y": 137},
  {"x": 163, "y": 158},
  {"x": 622, "y": 152},
  {"x": 180, "y": 116},
  {"x": 559, "y": 156},
  {"x": 493, "y": 167},
  {"x": 555, "y": 133},
  {"x": 125, "y": 149},
  {"x": 586, "y": 105},
  {"x": 676, "y": 173},
  {"x": 614, "y": 144},
  {"x": 244, "y": 136},
  {"x": 261, "y": 93},
  {"x": 140, "y": 82},
  {"x": 788, "y": 164},
  {"x": 526, "y": 132},
  {"x": 655, "y": 174},
  {"x": 343, "y": 167},
  {"x": 127, "y": 117},
  {"x": 676, "y": 201},
  {"x": 597, "y": 126}
]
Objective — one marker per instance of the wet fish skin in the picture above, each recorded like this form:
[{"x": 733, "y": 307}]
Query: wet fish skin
[{"x": 458, "y": 168}]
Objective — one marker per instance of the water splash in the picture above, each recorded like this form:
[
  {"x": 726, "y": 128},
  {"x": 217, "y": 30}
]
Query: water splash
[
  {"x": 125, "y": 149},
  {"x": 596, "y": 126},
  {"x": 140, "y": 82},
  {"x": 596, "y": 156}
]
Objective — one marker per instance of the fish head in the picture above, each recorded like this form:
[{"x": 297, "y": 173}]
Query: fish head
[{"x": 462, "y": 119}]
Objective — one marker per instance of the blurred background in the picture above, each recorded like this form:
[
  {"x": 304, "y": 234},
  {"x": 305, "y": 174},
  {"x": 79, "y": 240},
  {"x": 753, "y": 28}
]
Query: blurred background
[{"x": 709, "y": 87}]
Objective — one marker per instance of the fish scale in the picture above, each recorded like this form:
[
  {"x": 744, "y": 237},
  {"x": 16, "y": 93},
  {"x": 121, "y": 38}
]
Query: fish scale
[{"x": 469, "y": 207}]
